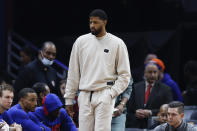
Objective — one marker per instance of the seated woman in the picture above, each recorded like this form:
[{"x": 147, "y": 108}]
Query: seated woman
[{"x": 41, "y": 90}]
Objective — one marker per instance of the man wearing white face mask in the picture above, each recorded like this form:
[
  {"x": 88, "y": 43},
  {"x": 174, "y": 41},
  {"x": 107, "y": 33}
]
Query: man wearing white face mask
[{"x": 39, "y": 70}]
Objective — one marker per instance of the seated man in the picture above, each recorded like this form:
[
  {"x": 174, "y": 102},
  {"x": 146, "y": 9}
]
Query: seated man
[
  {"x": 166, "y": 79},
  {"x": 19, "y": 112},
  {"x": 162, "y": 116},
  {"x": 6, "y": 98},
  {"x": 53, "y": 115},
  {"x": 175, "y": 119},
  {"x": 39, "y": 70},
  {"x": 41, "y": 90},
  {"x": 74, "y": 115},
  {"x": 147, "y": 97}
]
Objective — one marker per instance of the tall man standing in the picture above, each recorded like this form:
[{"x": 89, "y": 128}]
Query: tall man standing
[{"x": 99, "y": 67}]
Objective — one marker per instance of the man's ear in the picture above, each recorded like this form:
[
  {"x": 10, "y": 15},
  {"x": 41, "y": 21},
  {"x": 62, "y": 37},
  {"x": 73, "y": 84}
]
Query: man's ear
[
  {"x": 182, "y": 115},
  {"x": 105, "y": 22},
  {"x": 41, "y": 95},
  {"x": 40, "y": 54},
  {"x": 21, "y": 100}
]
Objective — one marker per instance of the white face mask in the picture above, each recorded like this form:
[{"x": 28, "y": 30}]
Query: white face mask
[{"x": 45, "y": 61}]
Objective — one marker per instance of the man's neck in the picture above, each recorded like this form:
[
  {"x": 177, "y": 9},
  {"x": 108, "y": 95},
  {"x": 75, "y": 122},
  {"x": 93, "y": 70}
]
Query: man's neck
[
  {"x": 178, "y": 124},
  {"x": 23, "y": 107},
  {"x": 103, "y": 33},
  {"x": 1, "y": 110}
]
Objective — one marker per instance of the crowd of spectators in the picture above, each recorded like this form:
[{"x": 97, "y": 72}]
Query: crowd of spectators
[{"x": 38, "y": 100}]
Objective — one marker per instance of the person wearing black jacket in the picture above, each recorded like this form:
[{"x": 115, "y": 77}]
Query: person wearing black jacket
[
  {"x": 142, "y": 105},
  {"x": 39, "y": 70},
  {"x": 175, "y": 119}
]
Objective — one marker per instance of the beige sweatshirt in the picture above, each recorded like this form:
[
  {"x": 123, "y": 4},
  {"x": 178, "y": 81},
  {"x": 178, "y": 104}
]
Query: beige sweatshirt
[{"x": 94, "y": 61}]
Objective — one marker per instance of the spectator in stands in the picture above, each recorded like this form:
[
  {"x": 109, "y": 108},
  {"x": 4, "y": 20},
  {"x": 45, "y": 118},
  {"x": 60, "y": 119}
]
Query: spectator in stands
[
  {"x": 162, "y": 117},
  {"x": 138, "y": 73},
  {"x": 175, "y": 119},
  {"x": 53, "y": 115},
  {"x": 146, "y": 98},
  {"x": 27, "y": 55},
  {"x": 6, "y": 98},
  {"x": 39, "y": 70},
  {"x": 99, "y": 67},
  {"x": 75, "y": 107},
  {"x": 166, "y": 79},
  {"x": 119, "y": 115},
  {"x": 41, "y": 90},
  {"x": 190, "y": 79},
  {"x": 19, "y": 112},
  {"x": 62, "y": 90}
]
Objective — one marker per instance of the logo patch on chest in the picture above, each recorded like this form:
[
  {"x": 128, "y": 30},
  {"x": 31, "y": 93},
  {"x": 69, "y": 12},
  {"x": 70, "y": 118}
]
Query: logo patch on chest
[{"x": 106, "y": 50}]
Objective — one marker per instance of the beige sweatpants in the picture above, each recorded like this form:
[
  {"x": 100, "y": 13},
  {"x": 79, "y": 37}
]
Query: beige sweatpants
[{"x": 95, "y": 114}]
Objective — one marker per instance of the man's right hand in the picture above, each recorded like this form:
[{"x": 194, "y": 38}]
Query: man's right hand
[
  {"x": 140, "y": 113},
  {"x": 70, "y": 110}
]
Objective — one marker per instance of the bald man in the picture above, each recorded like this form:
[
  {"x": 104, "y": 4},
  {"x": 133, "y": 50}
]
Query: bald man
[
  {"x": 138, "y": 73},
  {"x": 39, "y": 70},
  {"x": 162, "y": 116},
  {"x": 146, "y": 98}
]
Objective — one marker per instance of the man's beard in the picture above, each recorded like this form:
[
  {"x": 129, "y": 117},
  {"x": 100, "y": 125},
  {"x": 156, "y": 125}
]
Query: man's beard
[{"x": 96, "y": 32}]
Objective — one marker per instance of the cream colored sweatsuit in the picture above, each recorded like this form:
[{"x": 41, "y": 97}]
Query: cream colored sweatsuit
[{"x": 94, "y": 61}]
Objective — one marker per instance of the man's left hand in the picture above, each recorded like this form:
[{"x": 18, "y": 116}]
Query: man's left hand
[
  {"x": 120, "y": 110},
  {"x": 147, "y": 113}
]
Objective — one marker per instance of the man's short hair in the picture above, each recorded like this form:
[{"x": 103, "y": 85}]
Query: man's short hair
[
  {"x": 45, "y": 44},
  {"x": 4, "y": 87},
  {"x": 177, "y": 104},
  {"x": 23, "y": 92},
  {"x": 99, "y": 13},
  {"x": 63, "y": 81},
  {"x": 39, "y": 87}
]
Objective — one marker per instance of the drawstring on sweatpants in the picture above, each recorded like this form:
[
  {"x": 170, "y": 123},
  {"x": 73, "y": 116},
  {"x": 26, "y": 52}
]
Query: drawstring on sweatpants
[{"x": 91, "y": 92}]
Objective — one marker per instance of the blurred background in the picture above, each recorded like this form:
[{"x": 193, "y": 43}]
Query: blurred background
[{"x": 165, "y": 27}]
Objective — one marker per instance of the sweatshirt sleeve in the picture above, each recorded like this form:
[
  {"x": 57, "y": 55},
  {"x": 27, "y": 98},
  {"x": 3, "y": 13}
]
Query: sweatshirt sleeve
[
  {"x": 123, "y": 70},
  {"x": 127, "y": 92},
  {"x": 73, "y": 75}
]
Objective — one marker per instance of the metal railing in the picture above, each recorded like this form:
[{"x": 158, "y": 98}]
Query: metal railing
[{"x": 15, "y": 44}]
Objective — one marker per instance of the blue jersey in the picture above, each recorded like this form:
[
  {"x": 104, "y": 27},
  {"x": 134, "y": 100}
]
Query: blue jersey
[
  {"x": 63, "y": 122},
  {"x": 7, "y": 118},
  {"x": 28, "y": 123}
]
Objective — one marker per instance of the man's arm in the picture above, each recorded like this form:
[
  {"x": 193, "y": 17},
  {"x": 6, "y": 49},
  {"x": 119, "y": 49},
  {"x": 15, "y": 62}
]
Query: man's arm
[
  {"x": 123, "y": 70},
  {"x": 33, "y": 117},
  {"x": 73, "y": 76},
  {"x": 20, "y": 117},
  {"x": 66, "y": 121},
  {"x": 125, "y": 97},
  {"x": 7, "y": 118}
]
